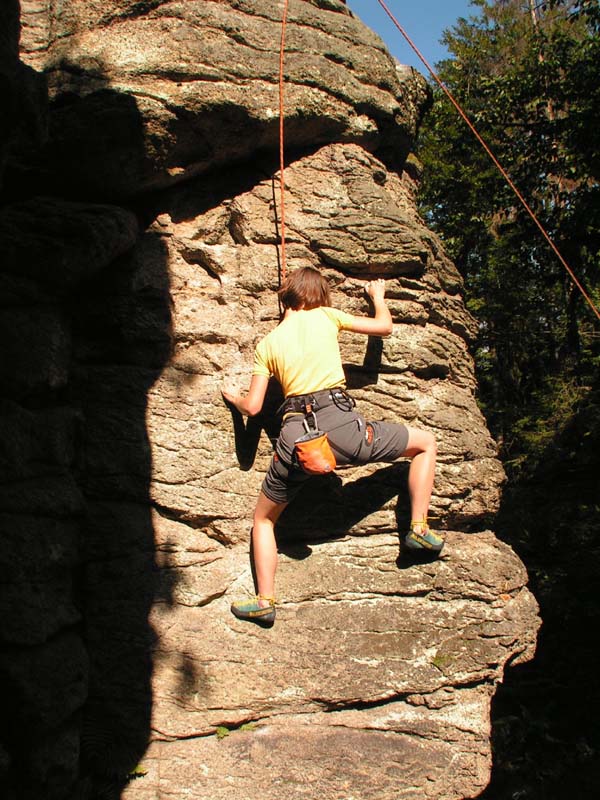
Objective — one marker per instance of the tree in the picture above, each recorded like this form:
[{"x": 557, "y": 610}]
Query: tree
[{"x": 526, "y": 75}]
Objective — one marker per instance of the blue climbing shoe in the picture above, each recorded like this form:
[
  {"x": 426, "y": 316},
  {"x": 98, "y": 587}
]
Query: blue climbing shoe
[
  {"x": 423, "y": 540},
  {"x": 252, "y": 611}
]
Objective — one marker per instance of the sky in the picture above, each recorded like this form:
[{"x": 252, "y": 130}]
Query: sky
[{"x": 423, "y": 20}]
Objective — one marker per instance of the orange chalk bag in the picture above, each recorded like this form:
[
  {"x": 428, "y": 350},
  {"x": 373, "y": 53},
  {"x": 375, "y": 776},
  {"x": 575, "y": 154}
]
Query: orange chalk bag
[{"x": 312, "y": 450}]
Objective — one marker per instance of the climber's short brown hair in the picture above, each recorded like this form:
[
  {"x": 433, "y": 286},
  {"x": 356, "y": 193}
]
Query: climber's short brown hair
[{"x": 304, "y": 288}]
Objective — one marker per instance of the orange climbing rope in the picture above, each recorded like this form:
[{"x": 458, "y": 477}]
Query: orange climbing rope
[
  {"x": 503, "y": 172},
  {"x": 283, "y": 266}
]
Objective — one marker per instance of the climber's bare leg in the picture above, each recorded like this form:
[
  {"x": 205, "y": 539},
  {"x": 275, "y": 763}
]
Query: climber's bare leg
[
  {"x": 422, "y": 451},
  {"x": 264, "y": 546}
]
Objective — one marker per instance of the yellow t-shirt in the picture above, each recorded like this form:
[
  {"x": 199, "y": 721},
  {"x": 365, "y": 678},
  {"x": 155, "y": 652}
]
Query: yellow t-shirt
[{"x": 303, "y": 352}]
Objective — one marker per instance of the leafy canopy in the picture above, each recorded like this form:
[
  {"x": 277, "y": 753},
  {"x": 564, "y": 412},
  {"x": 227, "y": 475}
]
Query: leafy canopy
[{"x": 526, "y": 74}]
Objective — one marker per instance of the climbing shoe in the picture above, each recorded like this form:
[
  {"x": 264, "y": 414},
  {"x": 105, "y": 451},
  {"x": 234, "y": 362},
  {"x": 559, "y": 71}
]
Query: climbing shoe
[
  {"x": 252, "y": 611},
  {"x": 423, "y": 539}
]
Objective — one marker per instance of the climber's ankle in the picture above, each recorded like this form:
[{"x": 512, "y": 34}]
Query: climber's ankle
[
  {"x": 264, "y": 601},
  {"x": 419, "y": 525}
]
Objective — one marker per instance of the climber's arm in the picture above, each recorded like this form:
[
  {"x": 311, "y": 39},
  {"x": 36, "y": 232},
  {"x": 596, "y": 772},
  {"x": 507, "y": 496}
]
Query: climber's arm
[
  {"x": 380, "y": 324},
  {"x": 252, "y": 403}
]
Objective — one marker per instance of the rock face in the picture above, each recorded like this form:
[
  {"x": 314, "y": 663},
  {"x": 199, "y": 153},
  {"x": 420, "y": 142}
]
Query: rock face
[
  {"x": 373, "y": 682},
  {"x": 155, "y": 92},
  {"x": 139, "y": 233}
]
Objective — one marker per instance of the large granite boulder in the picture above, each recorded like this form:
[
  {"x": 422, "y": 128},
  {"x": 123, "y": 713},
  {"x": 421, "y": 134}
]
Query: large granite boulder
[
  {"x": 347, "y": 214},
  {"x": 147, "y": 94},
  {"x": 138, "y": 261},
  {"x": 374, "y": 681}
]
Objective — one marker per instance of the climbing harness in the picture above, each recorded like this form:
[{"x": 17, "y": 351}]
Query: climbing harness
[
  {"x": 499, "y": 166},
  {"x": 313, "y": 451},
  {"x": 316, "y": 400}
]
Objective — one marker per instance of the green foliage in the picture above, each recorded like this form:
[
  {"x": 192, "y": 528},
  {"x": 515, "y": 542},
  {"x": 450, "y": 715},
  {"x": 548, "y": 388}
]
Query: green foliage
[
  {"x": 553, "y": 407},
  {"x": 440, "y": 661},
  {"x": 138, "y": 772},
  {"x": 526, "y": 75},
  {"x": 544, "y": 744},
  {"x": 222, "y": 731}
]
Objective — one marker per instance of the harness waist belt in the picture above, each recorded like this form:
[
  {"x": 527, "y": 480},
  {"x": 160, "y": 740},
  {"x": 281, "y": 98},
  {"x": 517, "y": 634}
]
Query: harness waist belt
[{"x": 316, "y": 400}]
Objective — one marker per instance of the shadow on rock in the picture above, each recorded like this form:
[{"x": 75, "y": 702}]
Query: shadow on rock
[
  {"x": 122, "y": 338},
  {"x": 328, "y": 508},
  {"x": 86, "y": 321},
  {"x": 93, "y": 145},
  {"x": 545, "y": 734},
  {"x": 247, "y": 430}
]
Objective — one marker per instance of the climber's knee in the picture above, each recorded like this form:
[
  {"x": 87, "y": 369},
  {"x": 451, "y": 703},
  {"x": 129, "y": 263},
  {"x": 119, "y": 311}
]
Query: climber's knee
[
  {"x": 267, "y": 509},
  {"x": 420, "y": 441}
]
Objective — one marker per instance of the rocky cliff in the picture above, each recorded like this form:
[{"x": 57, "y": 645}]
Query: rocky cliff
[{"x": 139, "y": 232}]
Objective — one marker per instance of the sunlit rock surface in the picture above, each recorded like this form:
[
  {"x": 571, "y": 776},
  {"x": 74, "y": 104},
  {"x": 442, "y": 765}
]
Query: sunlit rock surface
[{"x": 139, "y": 232}]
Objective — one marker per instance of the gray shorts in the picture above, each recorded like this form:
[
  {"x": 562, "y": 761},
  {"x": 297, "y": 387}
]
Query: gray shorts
[{"x": 352, "y": 439}]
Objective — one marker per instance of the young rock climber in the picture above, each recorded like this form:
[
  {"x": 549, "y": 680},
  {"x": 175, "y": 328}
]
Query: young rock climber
[{"x": 302, "y": 352}]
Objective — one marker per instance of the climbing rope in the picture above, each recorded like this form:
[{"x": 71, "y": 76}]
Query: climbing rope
[
  {"x": 283, "y": 266},
  {"x": 482, "y": 142}
]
